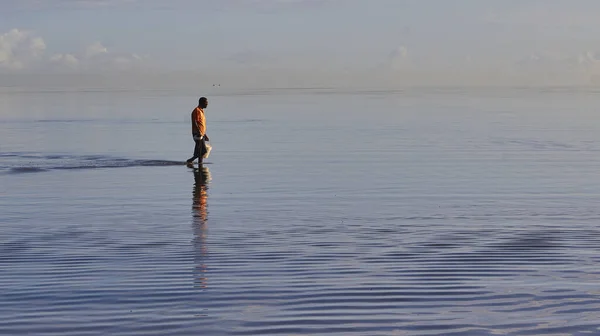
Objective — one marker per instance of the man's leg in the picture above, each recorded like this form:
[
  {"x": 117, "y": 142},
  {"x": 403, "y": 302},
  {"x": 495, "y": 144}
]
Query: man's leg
[
  {"x": 197, "y": 150},
  {"x": 201, "y": 150}
]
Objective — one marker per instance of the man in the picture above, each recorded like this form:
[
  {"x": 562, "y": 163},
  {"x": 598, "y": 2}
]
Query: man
[{"x": 199, "y": 131}]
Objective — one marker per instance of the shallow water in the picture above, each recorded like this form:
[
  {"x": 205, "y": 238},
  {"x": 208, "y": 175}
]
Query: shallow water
[{"x": 424, "y": 212}]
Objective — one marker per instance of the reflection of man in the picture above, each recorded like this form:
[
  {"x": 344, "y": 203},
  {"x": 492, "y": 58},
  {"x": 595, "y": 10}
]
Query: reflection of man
[{"x": 200, "y": 217}]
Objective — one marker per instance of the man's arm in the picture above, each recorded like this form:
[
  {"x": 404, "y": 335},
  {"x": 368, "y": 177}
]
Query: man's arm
[{"x": 201, "y": 123}]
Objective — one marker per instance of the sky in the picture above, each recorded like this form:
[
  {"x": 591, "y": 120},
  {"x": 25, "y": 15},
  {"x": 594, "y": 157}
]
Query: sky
[{"x": 307, "y": 41}]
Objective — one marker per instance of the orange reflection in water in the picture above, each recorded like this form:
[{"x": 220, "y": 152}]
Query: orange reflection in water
[{"x": 199, "y": 223}]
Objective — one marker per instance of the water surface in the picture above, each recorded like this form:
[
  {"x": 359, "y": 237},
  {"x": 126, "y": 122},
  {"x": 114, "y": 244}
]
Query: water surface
[{"x": 420, "y": 212}]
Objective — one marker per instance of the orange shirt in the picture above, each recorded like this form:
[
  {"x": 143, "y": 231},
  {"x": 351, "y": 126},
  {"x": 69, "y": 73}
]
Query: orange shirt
[{"x": 198, "y": 121}]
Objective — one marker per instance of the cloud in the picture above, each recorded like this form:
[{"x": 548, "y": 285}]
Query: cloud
[
  {"x": 119, "y": 62},
  {"x": 18, "y": 49},
  {"x": 575, "y": 68},
  {"x": 95, "y": 49},
  {"x": 97, "y": 57},
  {"x": 65, "y": 61},
  {"x": 589, "y": 64},
  {"x": 24, "y": 51}
]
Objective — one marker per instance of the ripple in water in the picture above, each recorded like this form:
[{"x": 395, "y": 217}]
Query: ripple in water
[
  {"x": 419, "y": 285},
  {"x": 475, "y": 273},
  {"x": 20, "y": 163}
]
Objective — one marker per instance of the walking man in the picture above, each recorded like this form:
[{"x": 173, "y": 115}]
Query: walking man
[{"x": 199, "y": 131}]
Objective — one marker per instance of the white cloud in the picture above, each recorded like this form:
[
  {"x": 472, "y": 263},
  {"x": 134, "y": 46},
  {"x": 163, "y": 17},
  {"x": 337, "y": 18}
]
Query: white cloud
[
  {"x": 545, "y": 67},
  {"x": 37, "y": 46},
  {"x": 98, "y": 57},
  {"x": 126, "y": 62},
  {"x": 589, "y": 64},
  {"x": 95, "y": 49},
  {"x": 21, "y": 50},
  {"x": 18, "y": 49},
  {"x": 66, "y": 61}
]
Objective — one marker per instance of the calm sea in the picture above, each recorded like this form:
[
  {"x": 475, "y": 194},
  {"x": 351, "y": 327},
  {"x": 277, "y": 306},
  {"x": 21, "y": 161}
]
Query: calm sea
[{"x": 318, "y": 212}]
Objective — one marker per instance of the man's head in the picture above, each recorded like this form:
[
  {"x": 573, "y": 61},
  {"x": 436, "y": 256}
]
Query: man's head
[{"x": 203, "y": 103}]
